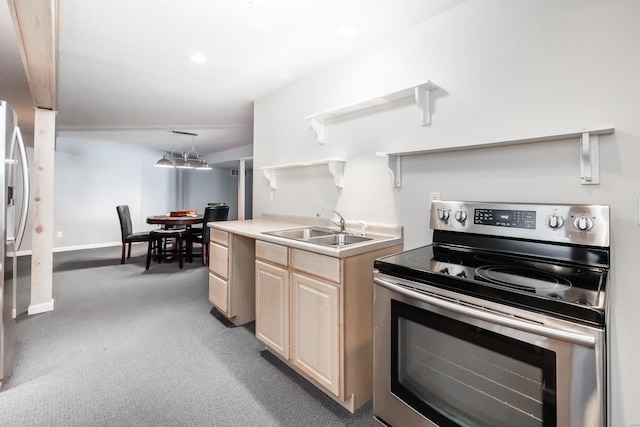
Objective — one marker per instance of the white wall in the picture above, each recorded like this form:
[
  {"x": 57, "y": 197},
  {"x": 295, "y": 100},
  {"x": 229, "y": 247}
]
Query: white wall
[
  {"x": 217, "y": 185},
  {"x": 506, "y": 69},
  {"x": 93, "y": 177}
]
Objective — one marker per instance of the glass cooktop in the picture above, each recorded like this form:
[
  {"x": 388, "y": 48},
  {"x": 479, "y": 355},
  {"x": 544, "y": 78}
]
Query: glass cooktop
[{"x": 558, "y": 288}]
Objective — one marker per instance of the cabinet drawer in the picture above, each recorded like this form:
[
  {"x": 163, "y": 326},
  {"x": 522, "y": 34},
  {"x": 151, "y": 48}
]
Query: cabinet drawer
[
  {"x": 219, "y": 236},
  {"x": 219, "y": 293},
  {"x": 276, "y": 254},
  {"x": 219, "y": 260},
  {"x": 319, "y": 265}
]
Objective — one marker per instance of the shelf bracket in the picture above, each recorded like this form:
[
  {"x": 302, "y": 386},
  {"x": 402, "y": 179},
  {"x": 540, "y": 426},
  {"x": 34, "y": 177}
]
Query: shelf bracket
[
  {"x": 589, "y": 159},
  {"x": 336, "y": 168},
  {"x": 318, "y": 125},
  {"x": 423, "y": 100},
  {"x": 395, "y": 168},
  {"x": 270, "y": 174}
]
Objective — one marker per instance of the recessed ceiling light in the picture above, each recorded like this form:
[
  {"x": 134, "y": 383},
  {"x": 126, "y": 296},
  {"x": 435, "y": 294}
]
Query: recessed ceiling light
[
  {"x": 347, "y": 31},
  {"x": 198, "y": 58}
]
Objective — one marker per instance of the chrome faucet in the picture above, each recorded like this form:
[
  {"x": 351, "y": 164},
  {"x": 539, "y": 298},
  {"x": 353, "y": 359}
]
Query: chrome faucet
[{"x": 340, "y": 224}]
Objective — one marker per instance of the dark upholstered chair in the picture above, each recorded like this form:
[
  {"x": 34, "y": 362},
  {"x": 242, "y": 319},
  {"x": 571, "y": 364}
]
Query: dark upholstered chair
[
  {"x": 211, "y": 214},
  {"x": 157, "y": 242},
  {"x": 198, "y": 228},
  {"x": 128, "y": 236}
]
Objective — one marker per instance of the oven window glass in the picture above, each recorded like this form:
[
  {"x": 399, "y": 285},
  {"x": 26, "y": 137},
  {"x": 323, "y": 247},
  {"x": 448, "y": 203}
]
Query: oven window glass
[{"x": 457, "y": 374}]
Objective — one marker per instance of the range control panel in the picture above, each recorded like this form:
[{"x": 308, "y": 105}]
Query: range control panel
[
  {"x": 575, "y": 224},
  {"x": 505, "y": 218}
]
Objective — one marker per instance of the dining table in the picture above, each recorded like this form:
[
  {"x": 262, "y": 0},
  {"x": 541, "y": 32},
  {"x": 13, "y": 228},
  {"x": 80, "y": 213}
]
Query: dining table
[{"x": 168, "y": 221}]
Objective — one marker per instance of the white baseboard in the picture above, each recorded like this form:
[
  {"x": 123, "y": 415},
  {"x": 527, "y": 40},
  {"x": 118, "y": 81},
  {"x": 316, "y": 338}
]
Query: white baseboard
[
  {"x": 92, "y": 246},
  {"x": 40, "y": 308},
  {"x": 78, "y": 247}
]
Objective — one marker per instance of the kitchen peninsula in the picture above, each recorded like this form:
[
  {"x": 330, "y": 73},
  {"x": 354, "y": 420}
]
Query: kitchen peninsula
[{"x": 312, "y": 303}]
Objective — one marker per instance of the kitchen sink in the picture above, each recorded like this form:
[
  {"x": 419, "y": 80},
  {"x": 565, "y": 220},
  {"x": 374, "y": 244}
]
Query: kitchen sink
[
  {"x": 303, "y": 233},
  {"x": 321, "y": 236},
  {"x": 340, "y": 239}
]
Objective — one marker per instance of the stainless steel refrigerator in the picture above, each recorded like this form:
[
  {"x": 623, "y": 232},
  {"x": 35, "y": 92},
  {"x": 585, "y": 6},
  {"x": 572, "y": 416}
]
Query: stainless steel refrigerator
[{"x": 13, "y": 224}]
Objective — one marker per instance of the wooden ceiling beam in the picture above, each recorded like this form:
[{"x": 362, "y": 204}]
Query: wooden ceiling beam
[{"x": 36, "y": 25}]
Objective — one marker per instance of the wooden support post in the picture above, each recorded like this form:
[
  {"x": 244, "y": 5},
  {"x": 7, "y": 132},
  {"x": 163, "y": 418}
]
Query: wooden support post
[{"x": 42, "y": 235}]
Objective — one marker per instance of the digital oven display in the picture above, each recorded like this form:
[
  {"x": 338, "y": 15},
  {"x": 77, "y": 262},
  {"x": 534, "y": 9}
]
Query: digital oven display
[{"x": 505, "y": 218}]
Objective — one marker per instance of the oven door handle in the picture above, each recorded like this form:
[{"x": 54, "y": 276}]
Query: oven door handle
[{"x": 574, "y": 338}]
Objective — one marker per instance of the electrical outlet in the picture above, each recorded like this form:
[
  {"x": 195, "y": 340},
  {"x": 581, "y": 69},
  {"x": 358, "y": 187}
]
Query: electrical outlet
[
  {"x": 59, "y": 234},
  {"x": 434, "y": 195}
]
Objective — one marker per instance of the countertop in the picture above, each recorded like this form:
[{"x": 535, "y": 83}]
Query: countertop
[{"x": 383, "y": 235}]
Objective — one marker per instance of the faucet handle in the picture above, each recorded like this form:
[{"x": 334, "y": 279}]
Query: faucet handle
[{"x": 364, "y": 227}]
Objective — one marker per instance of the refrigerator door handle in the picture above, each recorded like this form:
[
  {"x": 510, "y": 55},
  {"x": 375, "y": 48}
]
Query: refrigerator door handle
[{"x": 25, "y": 192}]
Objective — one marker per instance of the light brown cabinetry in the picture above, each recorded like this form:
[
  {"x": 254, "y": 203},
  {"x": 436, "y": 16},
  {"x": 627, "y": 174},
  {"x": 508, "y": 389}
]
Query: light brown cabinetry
[
  {"x": 315, "y": 330},
  {"x": 272, "y": 307},
  {"x": 315, "y": 313},
  {"x": 231, "y": 278}
]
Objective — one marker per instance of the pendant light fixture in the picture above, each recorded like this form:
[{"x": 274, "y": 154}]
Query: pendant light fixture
[
  {"x": 184, "y": 163},
  {"x": 183, "y": 160},
  {"x": 164, "y": 162},
  {"x": 202, "y": 165}
]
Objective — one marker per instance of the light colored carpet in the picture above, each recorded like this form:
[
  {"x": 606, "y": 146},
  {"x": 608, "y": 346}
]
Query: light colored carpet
[{"x": 129, "y": 347}]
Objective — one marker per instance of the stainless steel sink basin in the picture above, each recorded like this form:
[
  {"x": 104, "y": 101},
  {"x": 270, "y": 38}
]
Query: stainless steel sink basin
[
  {"x": 302, "y": 233},
  {"x": 340, "y": 239},
  {"x": 319, "y": 235}
]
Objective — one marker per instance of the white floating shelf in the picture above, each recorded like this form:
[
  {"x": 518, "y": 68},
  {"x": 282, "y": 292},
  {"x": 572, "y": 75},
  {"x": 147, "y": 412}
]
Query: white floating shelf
[
  {"x": 336, "y": 168},
  {"x": 421, "y": 92},
  {"x": 589, "y": 152}
]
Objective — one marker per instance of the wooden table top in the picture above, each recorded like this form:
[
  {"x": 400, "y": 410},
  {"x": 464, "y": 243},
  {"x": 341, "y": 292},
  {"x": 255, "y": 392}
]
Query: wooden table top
[{"x": 169, "y": 221}]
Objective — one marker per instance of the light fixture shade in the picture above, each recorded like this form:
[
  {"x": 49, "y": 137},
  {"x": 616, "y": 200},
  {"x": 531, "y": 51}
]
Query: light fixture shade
[
  {"x": 184, "y": 163},
  {"x": 164, "y": 162},
  {"x": 202, "y": 165}
]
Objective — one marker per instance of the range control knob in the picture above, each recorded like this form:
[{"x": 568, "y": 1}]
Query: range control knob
[
  {"x": 555, "y": 221},
  {"x": 583, "y": 223},
  {"x": 443, "y": 214},
  {"x": 461, "y": 215}
]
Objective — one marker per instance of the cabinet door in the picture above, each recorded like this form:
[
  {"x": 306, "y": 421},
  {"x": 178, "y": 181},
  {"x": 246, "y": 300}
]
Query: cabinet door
[
  {"x": 315, "y": 324},
  {"x": 272, "y": 307}
]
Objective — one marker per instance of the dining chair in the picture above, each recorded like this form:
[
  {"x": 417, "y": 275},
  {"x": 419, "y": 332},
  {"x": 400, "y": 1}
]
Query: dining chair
[
  {"x": 157, "y": 242},
  {"x": 198, "y": 229},
  {"x": 126, "y": 229},
  {"x": 211, "y": 214}
]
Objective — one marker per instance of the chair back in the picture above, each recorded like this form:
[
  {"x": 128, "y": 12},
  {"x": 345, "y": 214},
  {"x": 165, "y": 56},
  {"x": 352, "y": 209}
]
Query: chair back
[
  {"x": 211, "y": 214},
  {"x": 125, "y": 220}
]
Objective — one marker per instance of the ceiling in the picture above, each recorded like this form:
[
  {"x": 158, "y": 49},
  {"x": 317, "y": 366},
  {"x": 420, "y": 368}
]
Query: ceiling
[{"x": 125, "y": 74}]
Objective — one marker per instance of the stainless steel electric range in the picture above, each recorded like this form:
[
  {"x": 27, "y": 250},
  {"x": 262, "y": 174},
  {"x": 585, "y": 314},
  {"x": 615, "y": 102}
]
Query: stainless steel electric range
[{"x": 501, "y": 321}]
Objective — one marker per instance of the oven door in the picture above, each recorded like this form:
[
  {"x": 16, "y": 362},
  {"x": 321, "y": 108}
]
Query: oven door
[{"x": 441, "y": 362}]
